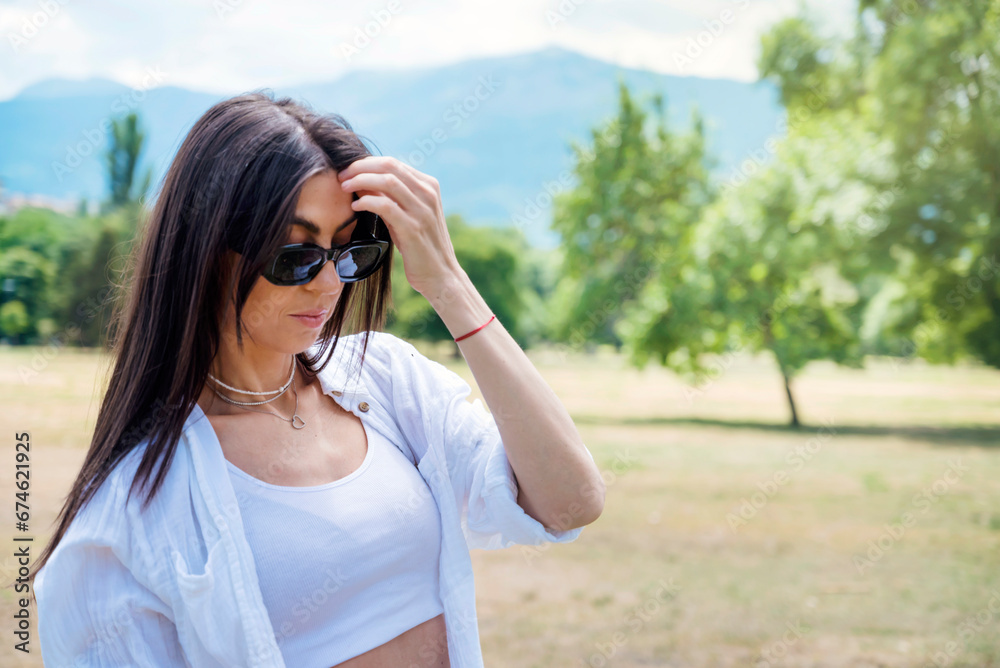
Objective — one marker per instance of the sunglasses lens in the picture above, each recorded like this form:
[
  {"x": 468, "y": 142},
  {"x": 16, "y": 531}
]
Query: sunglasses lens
[
  {"x": 359, "y": 262},
  {"x": 296, "y": 266}
]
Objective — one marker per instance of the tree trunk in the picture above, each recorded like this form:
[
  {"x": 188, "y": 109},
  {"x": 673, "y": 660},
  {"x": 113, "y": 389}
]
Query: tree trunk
[
  {"x": 769, "y": 342},
  {"x": 791, "y": 400}
]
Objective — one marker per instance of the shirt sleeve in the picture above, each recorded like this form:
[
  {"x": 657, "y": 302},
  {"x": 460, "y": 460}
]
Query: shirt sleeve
[
  {"x": 481, "y": 476},
  {"x": 93, "y": 613},
  {"x": 494, "y": 520}
]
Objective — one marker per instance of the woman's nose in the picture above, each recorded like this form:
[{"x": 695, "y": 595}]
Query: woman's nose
[{"x": 327, "y": 280}]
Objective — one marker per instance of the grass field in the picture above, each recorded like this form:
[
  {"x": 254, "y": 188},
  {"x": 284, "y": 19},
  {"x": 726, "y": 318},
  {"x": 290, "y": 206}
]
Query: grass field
[{"x": 870, "y": 537}]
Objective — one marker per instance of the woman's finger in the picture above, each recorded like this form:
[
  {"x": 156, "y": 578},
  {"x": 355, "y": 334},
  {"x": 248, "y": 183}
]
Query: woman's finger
[
  {"x": 382, "y": 164},
  {"x": 429, "y": 180},
  {"x": 389, "y": 184},
  {"x": 386, "y": 208}
]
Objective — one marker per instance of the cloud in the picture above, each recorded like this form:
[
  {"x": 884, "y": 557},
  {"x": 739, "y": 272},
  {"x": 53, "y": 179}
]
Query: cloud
[{"x": 227, "y": 46}]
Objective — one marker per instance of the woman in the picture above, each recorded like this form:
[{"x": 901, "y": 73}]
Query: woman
[{"x": 305, "y": 510}]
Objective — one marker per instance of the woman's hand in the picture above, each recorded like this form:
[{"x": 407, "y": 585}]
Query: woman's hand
[{"x": 409, "y": 202}]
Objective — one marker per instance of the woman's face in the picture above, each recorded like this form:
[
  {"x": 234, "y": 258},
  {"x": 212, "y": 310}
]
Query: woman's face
[{"x": 269, "y": 316}]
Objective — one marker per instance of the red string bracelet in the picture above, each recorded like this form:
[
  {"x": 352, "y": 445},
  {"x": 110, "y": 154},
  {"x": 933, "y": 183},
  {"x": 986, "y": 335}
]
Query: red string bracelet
[{"x": 465, "y": 336}]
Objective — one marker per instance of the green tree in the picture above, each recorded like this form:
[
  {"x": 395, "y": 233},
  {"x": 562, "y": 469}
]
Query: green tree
[
  {"x": 57, "y": 267},
  {"x": 492, "y": 259},
  {"x": 127, "y": 140},
  {"x": 14, "y": 319},
  {"x": 792, "y": 53},
  {"x": 26, "y": 277},
  {"x": 30, "y": 244},
  {"x": 629, "y": 219},
  {"x": 789, "y": 271},
  {"x": 778, "y": 262},
  {"x": 538, "y": 274},
  {"x": 89, "y": 305},
  {"x": 923, "y": 78}
]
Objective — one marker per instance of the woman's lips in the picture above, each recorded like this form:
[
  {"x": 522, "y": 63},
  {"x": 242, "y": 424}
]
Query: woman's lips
[{"x": 311, "y": 320}]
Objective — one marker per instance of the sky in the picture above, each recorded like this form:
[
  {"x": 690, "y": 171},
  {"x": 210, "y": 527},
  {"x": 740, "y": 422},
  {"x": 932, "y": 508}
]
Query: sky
[{"x": 228, "y": 46}]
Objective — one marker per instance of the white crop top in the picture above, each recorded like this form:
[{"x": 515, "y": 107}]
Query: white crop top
[{"x": 348, "y": 565}]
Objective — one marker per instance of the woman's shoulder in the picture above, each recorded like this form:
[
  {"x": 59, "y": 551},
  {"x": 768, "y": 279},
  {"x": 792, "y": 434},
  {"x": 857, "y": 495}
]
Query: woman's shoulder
[
  {"x": 398, "y": 360},
  {"x": 102, "y": 517},
  {"x": 383, "y": 353},
  {"x": 117, "y": 503},
  {"x": 393, "y": 369},
  {"x": 380, "y": 342}
]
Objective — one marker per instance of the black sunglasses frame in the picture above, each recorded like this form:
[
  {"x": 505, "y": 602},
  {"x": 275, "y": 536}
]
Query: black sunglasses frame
[{"x": 330, "y": 254}]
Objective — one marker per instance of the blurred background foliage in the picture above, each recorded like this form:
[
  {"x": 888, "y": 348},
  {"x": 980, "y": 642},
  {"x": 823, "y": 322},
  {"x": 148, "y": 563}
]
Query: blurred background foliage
[{"x": 869, "y": 226}]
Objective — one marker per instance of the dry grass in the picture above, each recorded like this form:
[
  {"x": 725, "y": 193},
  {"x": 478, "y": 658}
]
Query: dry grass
[{"x": 692, "y": 458}]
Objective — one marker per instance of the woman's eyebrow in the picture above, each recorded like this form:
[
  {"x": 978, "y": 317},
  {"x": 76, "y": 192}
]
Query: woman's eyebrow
[{"x": 314, "y": 228}]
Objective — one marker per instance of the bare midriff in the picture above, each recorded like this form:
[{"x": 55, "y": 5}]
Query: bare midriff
[{"x": 425, "y": 645}]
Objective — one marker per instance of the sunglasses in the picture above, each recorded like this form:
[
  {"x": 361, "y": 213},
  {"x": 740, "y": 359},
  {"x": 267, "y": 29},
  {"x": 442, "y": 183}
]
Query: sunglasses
[{"x": 297, "y": 264}]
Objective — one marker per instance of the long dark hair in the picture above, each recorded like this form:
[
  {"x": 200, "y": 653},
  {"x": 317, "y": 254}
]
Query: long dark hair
[{"x": 233, "y": 185}]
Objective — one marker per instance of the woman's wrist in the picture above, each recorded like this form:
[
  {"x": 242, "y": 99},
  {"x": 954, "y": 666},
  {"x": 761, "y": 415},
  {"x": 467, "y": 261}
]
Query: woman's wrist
[{"x": 459, "y": 304}]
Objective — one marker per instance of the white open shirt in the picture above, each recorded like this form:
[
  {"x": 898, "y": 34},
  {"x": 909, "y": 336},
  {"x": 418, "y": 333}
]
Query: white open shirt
[{"x": 176, "y": 584}]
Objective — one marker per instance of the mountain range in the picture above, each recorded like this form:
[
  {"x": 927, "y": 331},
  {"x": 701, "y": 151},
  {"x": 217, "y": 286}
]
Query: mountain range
[{"x": 495, "y": 132}]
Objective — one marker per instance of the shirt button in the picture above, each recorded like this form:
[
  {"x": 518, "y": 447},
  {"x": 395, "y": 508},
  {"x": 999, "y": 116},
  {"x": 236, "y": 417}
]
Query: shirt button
[
  {"x": 363, "y": 406},
  {"x": 336, "y": 392}
]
